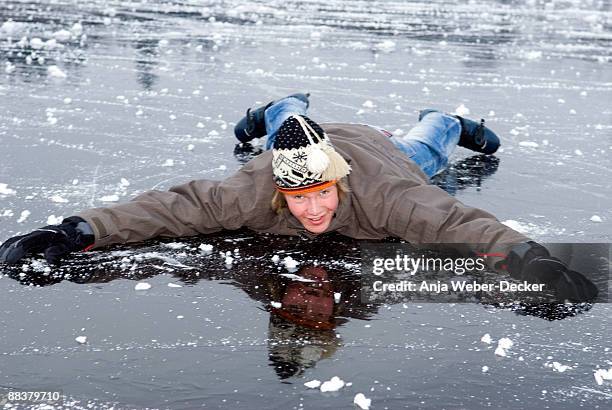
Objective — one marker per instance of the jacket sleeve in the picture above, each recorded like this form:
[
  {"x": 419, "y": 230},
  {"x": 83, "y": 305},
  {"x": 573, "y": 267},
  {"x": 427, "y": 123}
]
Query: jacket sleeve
[
  {"x": 197, "y": 207},
  {"x": 425, "y": 214}
]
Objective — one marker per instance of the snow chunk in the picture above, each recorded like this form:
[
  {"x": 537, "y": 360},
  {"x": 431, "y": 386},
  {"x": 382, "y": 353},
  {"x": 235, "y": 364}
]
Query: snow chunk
[
  {"x": 362, "y": 401},
  {"x": 486, "y": 339},
  {"x": 500, "y": 352},
  {"x": 560, "y": 367},
  {"x": 275, "y": 258},
  {"x": 462, "y": 110},
  {"x": 58, "y": 199},
  {"x": 110, "y": 198},
  {"x": 205, "y": 247},
  {"x": 368, "y": 104},
  {"x": 5, "y": 190},
  {"x": 54, "y": 220},
  {"x": 602, "y": 374},
  {"x": 168, "y": 163},
  {"x": 229, "y": 260},
  {"x": 276, "y": 305},
  {"x": 24, "y": 215},
  {"x": 81, "y": 339},
  {"x": 313, "y": 384},
  {"x": 596, "y": 218},
  {"x": 334, "y": 384},
  {"x": 142, "y": 286},
  {"x": 55, "y": 71},
  {"x": 290, "y": 263},
  {"x": 386, "y": 46},
  {"x": 529, "y": 144},
  {"x": 174, "y": 285},
  {"x": 175, "y": 245},
  {"x": 505, "y": 343},
  {"x": 337, "y": 296},
  {"x": 62, "y": 35},
  {"x": 578, "y": 152},
  {"x": 485, "y": 369}
]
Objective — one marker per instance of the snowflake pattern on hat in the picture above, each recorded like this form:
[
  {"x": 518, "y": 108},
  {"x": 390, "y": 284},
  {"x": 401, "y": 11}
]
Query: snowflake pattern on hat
[{"x": 303, "y": 156}]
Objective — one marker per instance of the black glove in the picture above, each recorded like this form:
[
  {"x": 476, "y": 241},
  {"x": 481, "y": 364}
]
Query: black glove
[
  {"x": 55, "y": 241},
  {"x": 532, "y": 262}
]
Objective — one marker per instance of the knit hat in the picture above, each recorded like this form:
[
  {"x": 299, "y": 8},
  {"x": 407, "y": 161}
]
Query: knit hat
[{"x": 303, "y": 158}]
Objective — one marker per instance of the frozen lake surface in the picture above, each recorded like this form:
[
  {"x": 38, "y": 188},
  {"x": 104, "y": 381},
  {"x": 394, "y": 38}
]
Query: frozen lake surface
[{"x": 102, "y": 100}]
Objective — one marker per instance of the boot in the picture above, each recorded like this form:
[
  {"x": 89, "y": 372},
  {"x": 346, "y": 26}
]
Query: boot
[
  {"x": 474, "y": 136},
  {"x": 253, "y": 124}
]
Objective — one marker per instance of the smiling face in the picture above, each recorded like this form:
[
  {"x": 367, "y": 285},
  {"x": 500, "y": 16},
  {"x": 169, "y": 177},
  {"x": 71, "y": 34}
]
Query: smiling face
[{"x": 314, "y": 210}]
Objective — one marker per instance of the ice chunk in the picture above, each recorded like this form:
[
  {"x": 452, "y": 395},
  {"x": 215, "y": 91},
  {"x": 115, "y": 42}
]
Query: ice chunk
[
  {"x": 62, "y": 35},
  {"x": 58, "y": 199},
  {"x": 174, "y": 285},
  {"x": 290, "y": 263},
  {"x": 54, "y": 220},
  {"x": 81, "y": 339},
  {"x": 275, "y": 258},
  {"x": 313, "y": 384},
  {"x": 337, "y": 296},
  {"x": 110, "y": 198},
  {"x": 55, "y": 71},
  {"x": 505, "y": 343},
  {"x": 24, "y": 215},
  {"x": 578, "y": 152},
  {"x": 168, "y": 163},
  {"x": 334, "y": 384},
  {"x": 500, "y": 352},
  {"x": 175, "y": 245},
  {"x": 362, "y": 401},
  {"x": 596, "y": 218},
  {"x": 485, "y": 369},
  {"x": 190, "y": 147},
  {"x": 386, "y": 46},
  {"x": 602, "y": 374},
  {"x": 229, "y": 260},
  {"x": 462, "y": 110},
  {"x": 5, "y": 190},
  {"x": 124, "y": 182},
  {"x": 560, "y": 367},
  {"x": 529, "y": 144},
  {"x": 368, "y": 104},
  {"x": 36, "y": 43},
  {"x": 77, "y": 29},
  {"x": 205, "y": 247},
  {"x": 486, "y": 339},
  {"x": 276, "y": 305},
  {"x": 142, "y": 286}
]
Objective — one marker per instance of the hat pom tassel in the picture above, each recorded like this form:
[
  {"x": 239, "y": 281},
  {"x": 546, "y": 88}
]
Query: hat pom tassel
[
  {"x": 317, "y": 161},
  {"x": 337, "y": 168}
]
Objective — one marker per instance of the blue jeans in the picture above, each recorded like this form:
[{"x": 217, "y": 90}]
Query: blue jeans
[{"x": 429, "y": 143}]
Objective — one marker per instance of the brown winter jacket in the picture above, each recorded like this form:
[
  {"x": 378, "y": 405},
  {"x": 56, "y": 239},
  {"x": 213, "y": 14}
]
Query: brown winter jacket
[{"x": 390, "y": 196}]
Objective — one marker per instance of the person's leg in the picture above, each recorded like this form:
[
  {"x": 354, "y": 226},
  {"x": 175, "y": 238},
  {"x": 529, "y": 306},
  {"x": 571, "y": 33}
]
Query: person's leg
[
  {"x": 431, "y": 141},
  {"x": 277, "y": 113}
]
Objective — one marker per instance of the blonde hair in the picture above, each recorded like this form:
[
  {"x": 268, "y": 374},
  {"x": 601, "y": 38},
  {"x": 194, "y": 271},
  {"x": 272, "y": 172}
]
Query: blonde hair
[{"x": 278, "y": 202}]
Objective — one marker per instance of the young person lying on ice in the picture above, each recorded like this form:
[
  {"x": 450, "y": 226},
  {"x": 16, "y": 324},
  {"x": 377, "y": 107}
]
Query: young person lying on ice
[{"x": 357, "y": 180}]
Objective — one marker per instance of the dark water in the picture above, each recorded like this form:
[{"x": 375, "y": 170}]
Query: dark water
[{"x": 148, "y": 97}]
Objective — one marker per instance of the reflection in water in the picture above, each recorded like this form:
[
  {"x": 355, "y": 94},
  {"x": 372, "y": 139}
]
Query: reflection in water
[
  {"x": 146, "y": 62},
  {"x": 306, "y": 308},
  {"x": 466, "y": 173}
]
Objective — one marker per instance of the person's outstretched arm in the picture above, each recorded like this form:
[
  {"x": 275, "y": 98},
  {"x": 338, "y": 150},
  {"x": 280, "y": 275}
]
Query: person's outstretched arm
[
  {"x": 197, "y": 207},
  {"x": 426, "y": 214}
]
